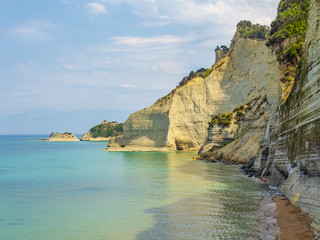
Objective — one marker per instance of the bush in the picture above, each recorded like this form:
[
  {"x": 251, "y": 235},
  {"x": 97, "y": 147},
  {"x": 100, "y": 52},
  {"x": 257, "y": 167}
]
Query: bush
[
  {"x": 206, "y": 73},
  {"x": 223, "y": 120},
  {"x": 199, "y": 73},
  {"x": 254, "y": 31},
  {"x": 103, "y": 130},
  {"x": 239, "y": 115},
  {"x": 291, "y": 20}
]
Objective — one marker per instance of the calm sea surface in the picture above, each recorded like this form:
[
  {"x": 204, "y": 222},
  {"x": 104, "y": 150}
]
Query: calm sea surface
[{"x": 75, "y": 190}]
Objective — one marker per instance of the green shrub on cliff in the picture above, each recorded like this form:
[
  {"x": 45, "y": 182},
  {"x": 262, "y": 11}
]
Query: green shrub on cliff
[
  {"x": 199, "y": 73},
  {"x": 291, "y": 20},
  {"x": 254, "y": 31},
  {"x": 206, "y": 73},
  {"x": 106, "y": 130},
  {"x": 239, "y": 115},
  {"x": 287, "y": 38},
  {"x": 223, "y": 120}
]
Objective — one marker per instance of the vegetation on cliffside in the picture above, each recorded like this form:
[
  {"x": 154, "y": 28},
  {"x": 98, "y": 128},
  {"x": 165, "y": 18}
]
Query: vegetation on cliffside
[
  {"x": 291, "y": 23},
  {"x": 222, "y": 120},
  {"x": 287, "y": 38},
  {"x": 107, "y": 129},
  {"x": 253, "y": 31},
  {"x": 199, "y": 73},
  {"x": 291, "y": 20}
]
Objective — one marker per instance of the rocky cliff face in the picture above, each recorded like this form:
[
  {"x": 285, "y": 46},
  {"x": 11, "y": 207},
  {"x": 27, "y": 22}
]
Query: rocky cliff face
[
  {"x": 220, "y": 53},
  {"x": 295, "y": 150},
  {"x": 244, "y": 139},
  {"x": 179, "y": 121}
]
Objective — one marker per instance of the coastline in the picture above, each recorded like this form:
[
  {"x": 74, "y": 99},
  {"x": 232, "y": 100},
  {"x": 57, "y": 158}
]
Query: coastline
[
  {"x": 98, "y": 139},
  {"x": 59, "y": 140},
  {"x": 292, "y": 222},
  {"x": 280, "y": 219}
]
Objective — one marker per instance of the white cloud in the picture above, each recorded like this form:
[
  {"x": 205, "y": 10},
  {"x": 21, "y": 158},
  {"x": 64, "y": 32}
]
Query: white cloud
[
  {"x": 95, "y": 8},
  {"x": 202, "y": 12},
  {"x": 128, "y": 85},
  {"x": 171, "y": 67},
  {"x": 34, "y": 30},
  {"x": 155, "y": 23},
  {"x": 69, "y": 66},
  {"x": 263, "y": 20},
  {"x": 65, "y": 2},
  {"x": 133, "y": 41}
]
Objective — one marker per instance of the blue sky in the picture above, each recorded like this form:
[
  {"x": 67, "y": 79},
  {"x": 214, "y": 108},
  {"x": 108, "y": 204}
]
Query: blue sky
[{"x": 71, "y": 55}]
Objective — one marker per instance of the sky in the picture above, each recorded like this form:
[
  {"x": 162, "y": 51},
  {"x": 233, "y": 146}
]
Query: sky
[{"x": 119, "y": 55}]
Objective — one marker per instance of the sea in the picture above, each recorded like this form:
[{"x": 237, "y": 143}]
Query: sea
[{"x": 78, "y": 191}]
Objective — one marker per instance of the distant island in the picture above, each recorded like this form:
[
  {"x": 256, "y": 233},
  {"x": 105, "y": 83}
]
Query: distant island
[
  {"x": 104, "y": 131},
  {"x": 61, "y": 137}
]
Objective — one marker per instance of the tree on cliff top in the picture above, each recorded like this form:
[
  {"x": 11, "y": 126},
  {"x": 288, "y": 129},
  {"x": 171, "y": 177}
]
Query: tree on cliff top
[
  {"x": 291, "y": 20},
  {"x": 107, "y": 129},
  {"x": 253, "y": 31}
]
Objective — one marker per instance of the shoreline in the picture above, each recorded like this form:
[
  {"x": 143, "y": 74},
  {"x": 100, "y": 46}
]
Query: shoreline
[
  {"x": 292, "y": 221},
  {"x": 280, "y": 219},
  {"x": 59, "y": 140}
]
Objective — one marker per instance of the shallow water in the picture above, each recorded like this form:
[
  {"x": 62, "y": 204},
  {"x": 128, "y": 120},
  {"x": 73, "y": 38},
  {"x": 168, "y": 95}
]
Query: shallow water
[{"x": 74, "y": 190}]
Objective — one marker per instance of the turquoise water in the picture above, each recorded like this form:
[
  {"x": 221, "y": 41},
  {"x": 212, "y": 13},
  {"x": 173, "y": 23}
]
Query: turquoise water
[{"x": 74, "y": 190}]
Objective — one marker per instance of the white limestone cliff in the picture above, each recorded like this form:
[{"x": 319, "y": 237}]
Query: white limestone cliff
[{"x": 179, "y": 121}]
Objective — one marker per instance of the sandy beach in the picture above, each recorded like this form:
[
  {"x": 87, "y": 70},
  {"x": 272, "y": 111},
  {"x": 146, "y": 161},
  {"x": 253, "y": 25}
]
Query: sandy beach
[
  {"x": 293, "y": 223},
  {"x": 281, "y": 220}
]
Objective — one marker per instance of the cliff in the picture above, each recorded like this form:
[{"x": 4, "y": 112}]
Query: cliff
[
  {"x": 179, "y": 121},
  {"x": 294, "y": 160},
  {"x": 287, "y": 146},
  {"x": 104, "y": 131},
  {"x": 243, "y": 140},
  {"x": 61, "y": 137},
  {"x": 221, "y": 52}
]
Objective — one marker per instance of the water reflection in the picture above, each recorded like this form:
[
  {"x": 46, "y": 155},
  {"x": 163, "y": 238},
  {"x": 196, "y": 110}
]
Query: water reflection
[{"x": 205, "y": 201}]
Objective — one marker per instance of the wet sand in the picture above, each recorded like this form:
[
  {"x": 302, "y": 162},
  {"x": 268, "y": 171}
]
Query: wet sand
[
  {"x": 292, "y": 222},
  {"x": 281, "y": 220}
]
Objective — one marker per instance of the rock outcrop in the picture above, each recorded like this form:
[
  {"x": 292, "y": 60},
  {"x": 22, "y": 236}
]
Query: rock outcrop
[
  {"x": 104, "y": 131},
  {"x": 179, "y": 121},
  {"x": 221, "y": 52},
  {"x": 61, "y": 137}
]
